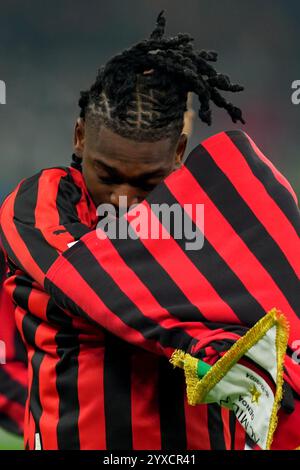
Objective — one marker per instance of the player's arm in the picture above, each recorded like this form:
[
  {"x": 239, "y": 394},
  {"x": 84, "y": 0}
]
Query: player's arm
[{"x": 92, "y": 280}]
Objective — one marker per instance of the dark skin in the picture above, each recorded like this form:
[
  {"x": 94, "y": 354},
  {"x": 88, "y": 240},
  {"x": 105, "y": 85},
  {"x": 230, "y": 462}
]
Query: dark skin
[{"x": 115, "y": 166}]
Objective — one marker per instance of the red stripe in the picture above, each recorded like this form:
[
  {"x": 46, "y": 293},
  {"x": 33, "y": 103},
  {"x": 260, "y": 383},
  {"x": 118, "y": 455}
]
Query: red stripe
[
  {"x": 240, "y": 260},
  {"x": 137, "y": 292},
  {"x": 196, "y": 423},
  {"x": 49, "y": 401},
  {"x": 144, "y": 402},
  {"x": 16, "y": 243},
  {"x": 233, "y": 164},
  {"x": 91, "y": 422},
  {"x": 29, "y": 426}
]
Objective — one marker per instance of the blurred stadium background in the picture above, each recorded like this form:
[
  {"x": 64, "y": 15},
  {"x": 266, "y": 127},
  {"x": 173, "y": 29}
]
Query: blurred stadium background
[{"x": 49, "y": 51}]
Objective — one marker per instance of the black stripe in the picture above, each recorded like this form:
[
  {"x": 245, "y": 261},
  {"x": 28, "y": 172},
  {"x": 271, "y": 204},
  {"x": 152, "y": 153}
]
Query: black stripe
[
  {"x": 24, "y": 218},
  {"x": 115, "y": 299},
  {"x": 67, "y": 370},
  {"x": 279, "y": 193},
  {"x": 11, "y": 388},
  {"x": 171, "y": 391},
  {"x": 246, "y": 225},
  {"x": 215, "y": 427},
  {"x": 68, "y": 196},
  {"x": 117, "y": 394},
  {"x": 208, "y": 261}
]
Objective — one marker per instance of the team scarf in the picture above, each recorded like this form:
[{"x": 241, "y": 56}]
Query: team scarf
[{"x": 231, "y": 265}]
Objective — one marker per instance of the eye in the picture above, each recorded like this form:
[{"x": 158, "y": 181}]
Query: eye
[{"x": 148, "y": 186}]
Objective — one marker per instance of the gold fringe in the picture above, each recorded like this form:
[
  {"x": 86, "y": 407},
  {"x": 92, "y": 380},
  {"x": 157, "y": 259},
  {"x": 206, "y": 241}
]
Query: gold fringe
[{"x": 198, "y": 389}]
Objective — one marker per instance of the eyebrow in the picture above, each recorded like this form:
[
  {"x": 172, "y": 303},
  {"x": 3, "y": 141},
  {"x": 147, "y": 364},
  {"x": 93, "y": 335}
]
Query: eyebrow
[{"x": 114, "y": 173}]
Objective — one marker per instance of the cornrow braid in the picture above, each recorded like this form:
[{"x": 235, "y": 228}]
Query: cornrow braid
[{"x": 142, "y": 92}]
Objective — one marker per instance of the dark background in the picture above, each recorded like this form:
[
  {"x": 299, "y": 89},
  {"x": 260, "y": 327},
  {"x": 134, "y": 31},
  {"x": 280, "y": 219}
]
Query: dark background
[{"x": 49, "y": 51}]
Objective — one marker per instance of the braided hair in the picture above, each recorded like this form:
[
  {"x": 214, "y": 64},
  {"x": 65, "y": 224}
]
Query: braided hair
[{"x": 141, "y": 93}]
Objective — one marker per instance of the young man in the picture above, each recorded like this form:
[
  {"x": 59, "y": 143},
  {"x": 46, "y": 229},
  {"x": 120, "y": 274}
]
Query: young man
[{"x": 101, "y": 319}]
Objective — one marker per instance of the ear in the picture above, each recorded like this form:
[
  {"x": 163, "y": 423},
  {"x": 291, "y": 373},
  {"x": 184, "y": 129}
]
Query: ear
[
  {"x": 180, "y": 149},
  {"x": 79, "y": 133}
]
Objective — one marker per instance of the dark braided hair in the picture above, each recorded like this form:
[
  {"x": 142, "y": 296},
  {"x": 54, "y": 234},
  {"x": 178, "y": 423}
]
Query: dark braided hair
[{"x": 141, "y": 93}]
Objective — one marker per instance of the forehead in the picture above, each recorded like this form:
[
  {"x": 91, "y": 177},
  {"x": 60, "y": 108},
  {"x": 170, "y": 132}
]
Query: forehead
[{"x": 115, "y": 150}]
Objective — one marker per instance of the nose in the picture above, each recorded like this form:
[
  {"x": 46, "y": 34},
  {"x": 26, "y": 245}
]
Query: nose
[{"x": 125, "y": 196}]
